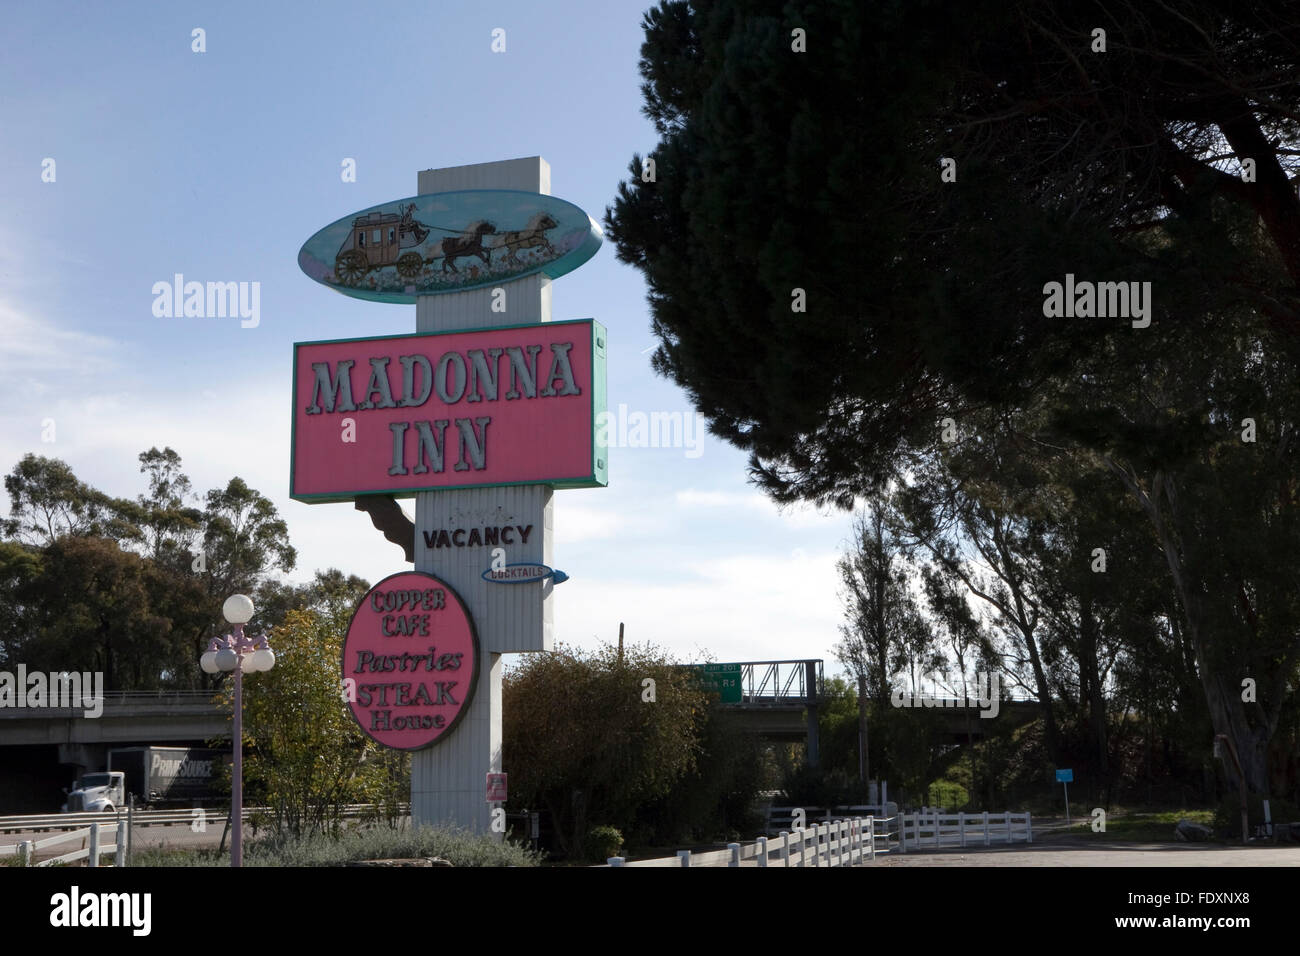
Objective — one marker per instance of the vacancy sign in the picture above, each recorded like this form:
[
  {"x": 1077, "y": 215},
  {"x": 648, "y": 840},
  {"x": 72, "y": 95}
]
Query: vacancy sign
[{"x": 409, "y": 413}]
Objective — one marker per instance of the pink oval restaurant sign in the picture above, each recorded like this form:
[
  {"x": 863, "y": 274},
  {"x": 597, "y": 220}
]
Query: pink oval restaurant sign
[{"x": 410, "y": 661}]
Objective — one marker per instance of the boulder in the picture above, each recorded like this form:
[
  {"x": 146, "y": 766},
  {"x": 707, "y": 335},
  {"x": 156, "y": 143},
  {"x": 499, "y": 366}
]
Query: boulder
[{"x": 1192, "y": 832}]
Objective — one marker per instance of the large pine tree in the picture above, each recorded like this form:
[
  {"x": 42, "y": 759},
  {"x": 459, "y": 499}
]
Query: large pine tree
[{"x": 801, "y": 162}]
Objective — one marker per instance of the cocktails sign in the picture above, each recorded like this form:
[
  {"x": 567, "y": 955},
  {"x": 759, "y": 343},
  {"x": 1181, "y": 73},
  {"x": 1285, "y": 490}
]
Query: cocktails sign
[
  {"x": 410, "y": 413},
  {"x": 449, "y": 242},
  {"x": 410, "y": 661},
  {"x": 523, "y": 573}
]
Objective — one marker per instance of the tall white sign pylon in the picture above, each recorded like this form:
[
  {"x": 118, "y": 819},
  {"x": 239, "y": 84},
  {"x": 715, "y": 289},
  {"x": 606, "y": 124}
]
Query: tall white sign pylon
[{"x": 448, "y": 781}]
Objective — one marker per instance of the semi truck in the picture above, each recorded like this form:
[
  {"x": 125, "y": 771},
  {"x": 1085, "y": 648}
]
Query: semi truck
[
  {"x": 156, "y": 776},
  {"x": 96, "y": 793}
]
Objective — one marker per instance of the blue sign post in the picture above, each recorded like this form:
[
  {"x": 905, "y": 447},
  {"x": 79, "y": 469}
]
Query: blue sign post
[{"x": 1065, "y": 778}]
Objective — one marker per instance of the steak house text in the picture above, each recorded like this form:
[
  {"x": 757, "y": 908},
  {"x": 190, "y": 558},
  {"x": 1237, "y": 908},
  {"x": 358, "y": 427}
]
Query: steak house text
[{"x": 406, "y": 693}]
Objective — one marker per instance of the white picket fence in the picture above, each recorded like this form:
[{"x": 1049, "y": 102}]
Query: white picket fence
[
  {"x": 848, "y": 842},
  {"x": 852, "y": 841},
  {"x": 930, "y": 828},
  {"x": 92, "y": 837}
]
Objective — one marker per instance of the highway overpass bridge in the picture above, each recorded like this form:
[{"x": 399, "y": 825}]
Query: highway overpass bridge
[
  {"x": 41, "y": 749},
  {"x": 779, "y": 700}
]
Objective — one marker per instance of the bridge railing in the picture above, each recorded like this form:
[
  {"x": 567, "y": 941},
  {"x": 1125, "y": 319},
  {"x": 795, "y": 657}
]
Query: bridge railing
[
  {"x": 159, "y": 696},
  {"x": 120, "y": 699},
  {"x": 780, "y": 682}
]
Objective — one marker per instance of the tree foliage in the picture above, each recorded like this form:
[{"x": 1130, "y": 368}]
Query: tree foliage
[
  {"x": 579, "y": 740},
  {"x": 778, "y": 171},
  {"x": 308, "y": 758},
  {"x": 1167, "y": 157},
  {"x": 884, "y": 633},
  {"x": 132, "y": 588}
]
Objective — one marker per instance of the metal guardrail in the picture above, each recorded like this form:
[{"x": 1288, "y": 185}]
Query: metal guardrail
[
  {"x": 72, "y": 821},
  {"x": 158, "y": 696}
]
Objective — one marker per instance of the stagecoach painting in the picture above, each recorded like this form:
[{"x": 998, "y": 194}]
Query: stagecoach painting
[
  {"x": 449, "y": 242},
  {"x": 376, "y": 240}
]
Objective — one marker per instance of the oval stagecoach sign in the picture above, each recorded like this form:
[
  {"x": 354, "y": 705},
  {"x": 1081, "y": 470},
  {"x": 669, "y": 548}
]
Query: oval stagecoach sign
[
  {"x": 410, "y": 661},
  {"x": 449, "y": 242}
]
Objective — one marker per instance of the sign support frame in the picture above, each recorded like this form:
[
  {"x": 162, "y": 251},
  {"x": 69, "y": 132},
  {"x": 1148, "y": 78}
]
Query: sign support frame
[{"x": 447, "y": 781}]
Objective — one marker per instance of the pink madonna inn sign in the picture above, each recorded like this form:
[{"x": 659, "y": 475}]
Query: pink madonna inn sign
[
  {"x": 410, "y": 413},
  {"x": 410, "y": 661}
]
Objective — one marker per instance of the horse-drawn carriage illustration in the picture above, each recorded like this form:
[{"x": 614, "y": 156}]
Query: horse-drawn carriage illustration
[
  {"x": 377, "y": 240},
  {"x": 449, "y": 242}
]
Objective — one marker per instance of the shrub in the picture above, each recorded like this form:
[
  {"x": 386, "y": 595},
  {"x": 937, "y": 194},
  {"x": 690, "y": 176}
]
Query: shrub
[
  {"x": 458, "y": 847},
  {"x": 1227, "y": 816},
  {"x": 598, "y": 751},
  {"x": 806, "y": 786},
  {"x": 601, "y": 843}
]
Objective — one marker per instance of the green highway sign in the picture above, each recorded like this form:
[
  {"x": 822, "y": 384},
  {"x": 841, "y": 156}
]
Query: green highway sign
[{"x": 722, "y": 679}]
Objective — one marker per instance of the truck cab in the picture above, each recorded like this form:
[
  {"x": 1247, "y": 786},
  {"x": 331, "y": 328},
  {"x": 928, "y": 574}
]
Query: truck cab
[{"x": 100, "y": 792}]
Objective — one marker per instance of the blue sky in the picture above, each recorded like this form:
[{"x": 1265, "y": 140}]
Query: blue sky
[{"x": 219, "y": 165}]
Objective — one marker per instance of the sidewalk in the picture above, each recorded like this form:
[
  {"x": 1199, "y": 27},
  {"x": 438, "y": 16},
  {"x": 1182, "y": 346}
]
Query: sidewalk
[{"x": 1114, "y": 854}]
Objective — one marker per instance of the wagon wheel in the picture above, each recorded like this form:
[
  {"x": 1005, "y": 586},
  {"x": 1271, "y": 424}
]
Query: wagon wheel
[
  {"x": 410, "y": 265},
  {"x": 351, "y": 266}
]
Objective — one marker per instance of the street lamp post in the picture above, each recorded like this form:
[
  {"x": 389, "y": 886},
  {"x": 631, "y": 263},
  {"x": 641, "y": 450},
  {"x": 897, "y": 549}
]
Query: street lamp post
[{"x": 240, "y": 654}]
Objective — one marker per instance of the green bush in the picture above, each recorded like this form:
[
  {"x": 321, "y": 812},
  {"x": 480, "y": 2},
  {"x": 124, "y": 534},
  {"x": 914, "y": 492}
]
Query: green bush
[
  {"x": 601, "y": 843},
  {"x": 806, "y": 786},
  {"x": 716, "y": 800},
  {"x": 1227, "y": 816}
]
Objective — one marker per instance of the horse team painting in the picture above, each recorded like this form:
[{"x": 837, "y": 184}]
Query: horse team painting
[{"x": 449, "y": 242}]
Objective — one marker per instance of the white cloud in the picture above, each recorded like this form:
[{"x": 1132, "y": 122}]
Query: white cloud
[
  {"x": 32, "y": 347},
  {"x": 589, "y": 522},
  {"x": 792, "y": 516},
  {"x": 694, "y": 498},
  {"x": 741, "y": 608}
]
